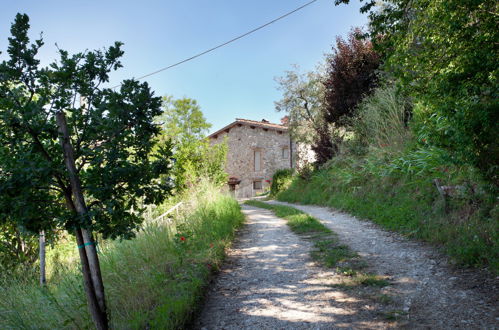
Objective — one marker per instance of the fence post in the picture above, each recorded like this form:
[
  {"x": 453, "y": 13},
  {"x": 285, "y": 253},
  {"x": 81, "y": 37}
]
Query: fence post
[{"x": 43, "y": 278}]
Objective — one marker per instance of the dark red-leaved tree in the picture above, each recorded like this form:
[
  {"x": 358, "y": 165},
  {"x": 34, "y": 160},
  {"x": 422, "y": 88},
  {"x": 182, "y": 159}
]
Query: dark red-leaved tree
[{"x": 351, "y": 75}]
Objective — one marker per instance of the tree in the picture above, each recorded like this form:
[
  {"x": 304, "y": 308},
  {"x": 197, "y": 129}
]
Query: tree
[
  {"x": 16, "y": 247},
  {"x": 74, "y": 154},
  {"x": 303, "y": 102},
  {"x": 388, "y": 22},
  {"x": 448, "y": 64},
  {"x": 444, "y": 55},
  {"x": 350, "y": 76},
  {"x": 183, "y": 124}
]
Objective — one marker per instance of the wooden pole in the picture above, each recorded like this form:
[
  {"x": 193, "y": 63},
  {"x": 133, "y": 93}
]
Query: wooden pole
[
  {"x": 43, "y": 279},
  {"x": 86, "y": 245}
]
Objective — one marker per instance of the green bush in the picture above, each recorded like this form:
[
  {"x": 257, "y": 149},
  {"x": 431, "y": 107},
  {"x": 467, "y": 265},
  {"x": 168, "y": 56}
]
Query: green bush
[
  {"x": 281, "y": 180},
  {"x": 152, "y": 281}
]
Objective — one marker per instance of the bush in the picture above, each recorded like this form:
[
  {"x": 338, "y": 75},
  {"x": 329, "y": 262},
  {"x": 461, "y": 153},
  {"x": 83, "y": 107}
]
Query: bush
[{"x": 281, "y": 180}]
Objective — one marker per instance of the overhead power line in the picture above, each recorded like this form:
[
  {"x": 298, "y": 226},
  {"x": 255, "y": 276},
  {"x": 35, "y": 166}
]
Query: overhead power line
[{"x": 225, "y": 43}]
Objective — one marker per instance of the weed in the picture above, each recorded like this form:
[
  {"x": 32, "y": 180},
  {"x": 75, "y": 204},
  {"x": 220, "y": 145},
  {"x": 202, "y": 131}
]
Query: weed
[
  {"x": 393, "y": 315},
  {"x": 362, "y": 280},
  {"x": 383, "y": 299}
]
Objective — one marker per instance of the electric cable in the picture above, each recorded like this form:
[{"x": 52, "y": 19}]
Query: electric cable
[{"x": 224, "y": 44}]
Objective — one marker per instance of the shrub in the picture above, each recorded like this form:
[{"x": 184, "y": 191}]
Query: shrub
[{"x": 281, "y": 180}]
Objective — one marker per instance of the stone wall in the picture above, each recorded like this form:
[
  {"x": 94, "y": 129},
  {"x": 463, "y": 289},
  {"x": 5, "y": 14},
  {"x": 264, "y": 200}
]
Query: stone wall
[{"x": 243, "y": 140}]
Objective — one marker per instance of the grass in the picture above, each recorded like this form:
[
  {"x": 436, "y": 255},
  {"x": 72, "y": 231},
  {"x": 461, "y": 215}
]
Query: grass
[
  {"x": 298, "y": 221},
  {"x": 363, "y": 279},
  {"x": 409, "y": 204},
  {"x": 327, "y": 249},
  {"x": 155, "y": 280}
]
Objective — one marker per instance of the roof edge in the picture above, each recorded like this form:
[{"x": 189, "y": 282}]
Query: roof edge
[{"x": 249, "y": 122}]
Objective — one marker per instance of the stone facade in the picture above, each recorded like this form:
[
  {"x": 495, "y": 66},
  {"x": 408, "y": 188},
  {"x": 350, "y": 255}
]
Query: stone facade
[{"x": 256, "y": 149}]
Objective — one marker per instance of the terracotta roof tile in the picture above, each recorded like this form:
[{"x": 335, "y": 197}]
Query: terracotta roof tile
[{"x": 263, "y": 124}]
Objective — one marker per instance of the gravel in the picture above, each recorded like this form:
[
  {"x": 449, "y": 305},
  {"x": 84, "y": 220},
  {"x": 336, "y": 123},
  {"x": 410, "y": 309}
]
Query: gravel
[
  {"x": 431, "y": 292},
  {"x": 270, "y": 282}
]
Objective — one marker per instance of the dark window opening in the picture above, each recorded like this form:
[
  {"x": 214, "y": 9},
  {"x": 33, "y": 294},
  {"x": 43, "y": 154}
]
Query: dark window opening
[{"x": 257, "y": 185}]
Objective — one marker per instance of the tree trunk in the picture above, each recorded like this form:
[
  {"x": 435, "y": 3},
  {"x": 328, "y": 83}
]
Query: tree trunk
[
  {"x": 86, "y": 245},
  {"x": 43, "y": 279}
]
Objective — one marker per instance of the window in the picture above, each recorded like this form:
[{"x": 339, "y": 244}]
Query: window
[
  {"x": 257, "y": 185},
  {"x": 257, "y": 160},
  {"x": 285, "y": 153}
]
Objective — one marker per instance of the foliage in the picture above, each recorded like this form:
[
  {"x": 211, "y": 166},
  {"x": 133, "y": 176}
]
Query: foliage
[
  {"x": 16, "y": 247},
  {"x": 444, "y": 54},
  {"x": 155, "y": 280},
  {"x": 381, "y": 119},
  {"x": 112, "y": 135},
  {"x": 74, "y": 154},
  {"x": 350, "y": 76},
  {"x": 303, "y": 102},
  {"x": 281, "y": 180},
  {"x": 450, "y": 66},
  {"x": 183, "y": 124},
  {"x": 388, "y": 20}
]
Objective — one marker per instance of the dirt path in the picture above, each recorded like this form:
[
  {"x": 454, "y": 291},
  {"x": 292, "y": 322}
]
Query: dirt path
[
  {"x": 270, "y": 282},
  {"x": 431, "y": 293}
]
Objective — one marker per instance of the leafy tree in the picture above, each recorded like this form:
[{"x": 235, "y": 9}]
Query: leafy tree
[
  {"x": 448, "y": 62},
  {"x": 74, "y": 154},
  {"x": 16, "y": 247},
  {"x": 388, "y": 21},
  {"x": 351, "y": 75},
  {"x": 444, "y": 54},
  {"x": 303, "y": 102},
  {"x": 183, "y": 124}
]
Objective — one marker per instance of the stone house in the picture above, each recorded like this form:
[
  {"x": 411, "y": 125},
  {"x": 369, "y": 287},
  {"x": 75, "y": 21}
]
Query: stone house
[{"x": 256, "y": 149}]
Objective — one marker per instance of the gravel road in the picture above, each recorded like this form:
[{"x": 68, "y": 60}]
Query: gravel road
[
  {"x": 270, "y": 282},
  {"x": 433, "y": 294}
]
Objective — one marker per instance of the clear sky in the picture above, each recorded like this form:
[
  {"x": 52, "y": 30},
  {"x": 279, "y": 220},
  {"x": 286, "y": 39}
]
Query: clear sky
[{"x": 234, "y": 81}]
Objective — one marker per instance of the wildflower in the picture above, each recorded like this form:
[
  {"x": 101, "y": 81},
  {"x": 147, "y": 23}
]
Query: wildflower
[{"x": 182, "y": 238}]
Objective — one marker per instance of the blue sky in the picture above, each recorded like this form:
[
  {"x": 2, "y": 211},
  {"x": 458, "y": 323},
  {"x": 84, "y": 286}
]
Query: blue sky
[{"x": 233, "y": 81}]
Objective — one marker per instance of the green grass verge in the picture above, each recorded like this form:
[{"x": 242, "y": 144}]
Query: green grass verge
[
  {"x": 327, "y": 250},
  {"x": 298, "y": 221},
  {"x": 153, "y": 281}
]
